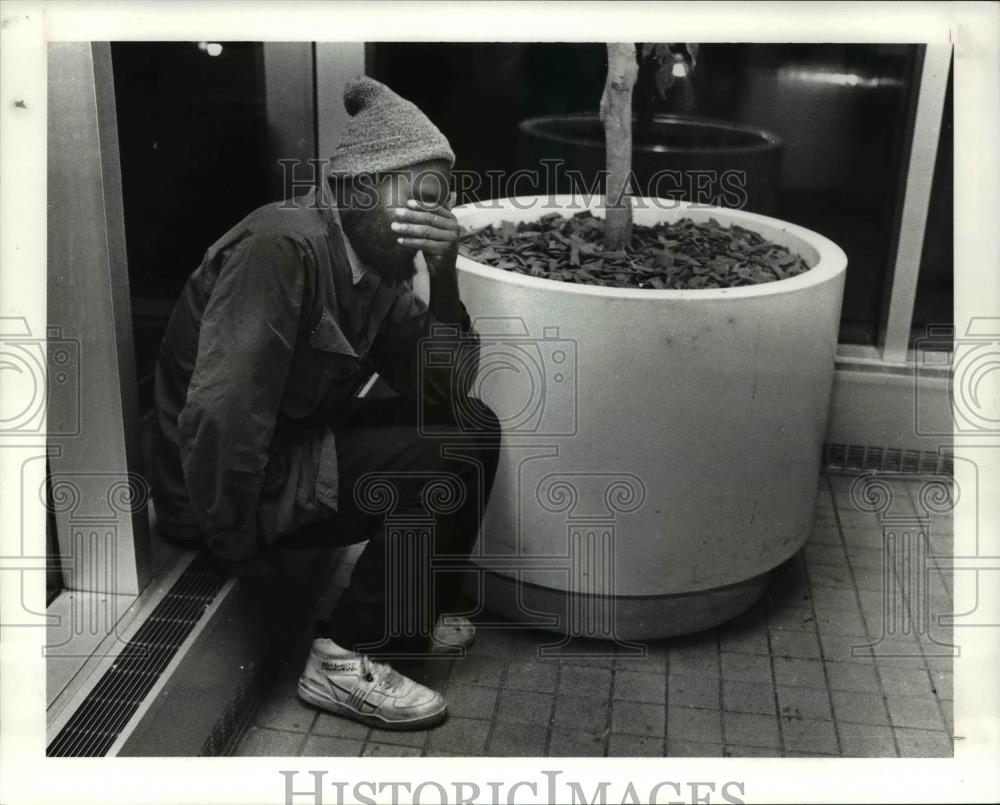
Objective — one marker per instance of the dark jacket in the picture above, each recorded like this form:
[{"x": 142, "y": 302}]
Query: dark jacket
[{"x": 268, "y": 343}]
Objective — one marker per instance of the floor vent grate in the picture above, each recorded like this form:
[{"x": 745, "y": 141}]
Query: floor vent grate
[
  {"x": 856, "y": 457},
  {"x": 97, "y": 723},
  {"x": 236, "y": 718}
]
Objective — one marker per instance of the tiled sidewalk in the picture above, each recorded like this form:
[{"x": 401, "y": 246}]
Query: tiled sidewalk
[{"x": 781, "y": 680}]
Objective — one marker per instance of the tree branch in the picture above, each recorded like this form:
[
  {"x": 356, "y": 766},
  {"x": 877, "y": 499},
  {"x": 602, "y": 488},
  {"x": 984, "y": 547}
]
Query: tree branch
[{"x": 616, "y": 115}]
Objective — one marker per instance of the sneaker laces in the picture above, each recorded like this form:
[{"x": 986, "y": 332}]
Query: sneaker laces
[{"x": 384, "y": 675}]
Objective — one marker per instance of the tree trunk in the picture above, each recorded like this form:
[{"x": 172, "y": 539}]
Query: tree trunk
[{"x": 616, "y": 114}]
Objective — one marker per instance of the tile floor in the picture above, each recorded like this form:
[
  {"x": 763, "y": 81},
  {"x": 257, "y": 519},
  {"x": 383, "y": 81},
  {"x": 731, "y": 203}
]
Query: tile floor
[{"x": 789, "y": 678}]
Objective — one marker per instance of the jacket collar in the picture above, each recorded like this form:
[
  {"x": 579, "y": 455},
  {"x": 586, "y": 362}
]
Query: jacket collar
[{"x": 322, "y": 196}]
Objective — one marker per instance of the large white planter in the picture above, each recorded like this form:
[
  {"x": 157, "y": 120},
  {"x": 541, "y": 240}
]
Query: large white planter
[{"x": 661, "y": 448}]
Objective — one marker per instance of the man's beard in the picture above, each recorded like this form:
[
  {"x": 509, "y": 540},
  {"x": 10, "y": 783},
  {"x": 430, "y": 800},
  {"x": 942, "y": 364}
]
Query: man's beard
[
  {"x": 381, "y": 254},
  {"x": 395, "y": 266}
]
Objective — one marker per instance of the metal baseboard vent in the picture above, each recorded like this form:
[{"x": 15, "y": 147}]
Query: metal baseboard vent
[
  {"x": 237, "y": 716},
  {"x": 97, "y": 723},
  {"x": 857, "y": 457}
]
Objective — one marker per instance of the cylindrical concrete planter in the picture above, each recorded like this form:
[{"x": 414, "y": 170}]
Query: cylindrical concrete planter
[
  {"x": 661, "y": 447},
  {"x": 690, "y": 158}
]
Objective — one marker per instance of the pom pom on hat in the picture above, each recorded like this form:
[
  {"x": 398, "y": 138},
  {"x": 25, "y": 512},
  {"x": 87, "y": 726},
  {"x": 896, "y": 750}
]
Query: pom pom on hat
[
  {"x": 385, "y": 131},
  {"x": 359, "y": 93}
]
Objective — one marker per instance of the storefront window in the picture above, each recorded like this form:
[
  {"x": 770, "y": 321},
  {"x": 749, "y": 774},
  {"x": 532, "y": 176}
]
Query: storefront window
[
  {"x": 192, "y": 132},
  {"x": 193, "y": 135},
  {"x": 844, "y": 113}
]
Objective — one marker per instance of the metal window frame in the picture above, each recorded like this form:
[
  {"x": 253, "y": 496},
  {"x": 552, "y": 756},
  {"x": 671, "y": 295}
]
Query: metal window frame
[
  {"x": 894, "y": 338},
  {"x": 99, "y": 490},
  {"x": 336, "y": 62},
  {"x": 291, "y": 102},
  {"x": 98, "y": 486}
]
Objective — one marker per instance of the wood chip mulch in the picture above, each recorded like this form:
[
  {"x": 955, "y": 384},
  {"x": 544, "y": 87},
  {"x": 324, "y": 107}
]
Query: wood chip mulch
[{"x": 680, "y": 255}]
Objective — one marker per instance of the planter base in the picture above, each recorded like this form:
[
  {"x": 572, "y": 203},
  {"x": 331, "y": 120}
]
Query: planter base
[{"x": 634, "y": 617}]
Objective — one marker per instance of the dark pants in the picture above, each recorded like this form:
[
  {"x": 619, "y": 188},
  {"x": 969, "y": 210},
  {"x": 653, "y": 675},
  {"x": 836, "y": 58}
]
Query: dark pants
[{"x": 418, "y": 499}]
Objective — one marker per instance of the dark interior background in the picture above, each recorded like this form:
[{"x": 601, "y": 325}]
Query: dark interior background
[
  {"x": 843, "y": 111},
  {"x": 194, "y": 145},
  {"x": 192, "y": 132}
]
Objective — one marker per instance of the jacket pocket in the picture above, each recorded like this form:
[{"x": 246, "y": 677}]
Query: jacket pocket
[
  {"x": 328, "y": 337},
  {"x": 327, "y": 474},
  {"x": 333, "y": 365}
]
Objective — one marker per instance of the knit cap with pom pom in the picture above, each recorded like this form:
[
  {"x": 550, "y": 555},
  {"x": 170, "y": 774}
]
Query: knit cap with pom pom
[{"x": 384, "y": 132}]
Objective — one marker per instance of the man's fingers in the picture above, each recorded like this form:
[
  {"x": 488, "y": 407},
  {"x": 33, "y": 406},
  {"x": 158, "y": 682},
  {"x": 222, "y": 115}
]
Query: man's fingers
[
  {"x": 427, "y": 245},
  {"x": 436, "y": 207},
  {"x": 430, "y": 228},
  {"x": 440, "y": 217},
  {"x": 423, "y": 231}
]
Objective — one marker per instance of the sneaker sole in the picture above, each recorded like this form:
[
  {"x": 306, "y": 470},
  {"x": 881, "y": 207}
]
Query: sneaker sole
[{"x": 339, "y": 709}]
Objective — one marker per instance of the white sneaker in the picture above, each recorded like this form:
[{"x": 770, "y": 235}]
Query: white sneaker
[
  {"x": 451, "y": 634},
  {"x": 360, "y": 688}
]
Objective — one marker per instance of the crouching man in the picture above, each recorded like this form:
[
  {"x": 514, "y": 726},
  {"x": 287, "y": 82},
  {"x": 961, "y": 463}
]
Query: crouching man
[{"x": 262, "y": 442}]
